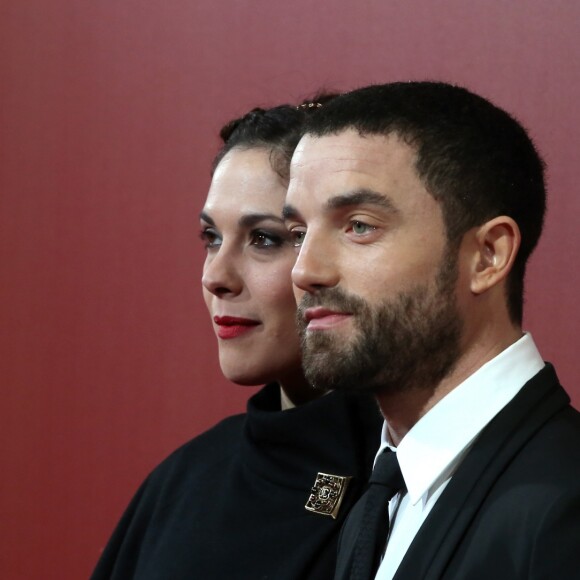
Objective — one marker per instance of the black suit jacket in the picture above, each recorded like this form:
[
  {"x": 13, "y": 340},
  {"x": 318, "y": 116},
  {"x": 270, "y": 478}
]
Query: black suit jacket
[{"x": 512, "y": 509}]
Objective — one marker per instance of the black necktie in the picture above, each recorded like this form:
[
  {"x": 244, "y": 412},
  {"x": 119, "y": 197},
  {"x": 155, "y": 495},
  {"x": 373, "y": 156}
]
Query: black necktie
[{"x": 373, "y": 526}]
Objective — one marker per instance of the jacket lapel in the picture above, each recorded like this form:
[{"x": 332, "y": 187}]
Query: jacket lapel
[{"x": 446, "y": 524}]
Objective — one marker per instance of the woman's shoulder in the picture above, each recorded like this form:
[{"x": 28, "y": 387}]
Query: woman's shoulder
[{"x": 213, "y": 446}]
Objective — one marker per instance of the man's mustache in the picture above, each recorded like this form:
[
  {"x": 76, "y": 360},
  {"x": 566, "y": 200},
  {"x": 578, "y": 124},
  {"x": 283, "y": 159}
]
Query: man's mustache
[{"x": 331, "y": 298}]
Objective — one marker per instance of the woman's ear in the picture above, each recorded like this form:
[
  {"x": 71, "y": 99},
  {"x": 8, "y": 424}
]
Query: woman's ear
[{"x": 496, "y": 245}]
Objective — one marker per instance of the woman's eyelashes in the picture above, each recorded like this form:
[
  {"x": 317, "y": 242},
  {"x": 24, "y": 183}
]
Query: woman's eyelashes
[
  {"x": 210, "y": 238},
  {"x": 267, "y": 239},
  {"x": 259, "y": 238}
]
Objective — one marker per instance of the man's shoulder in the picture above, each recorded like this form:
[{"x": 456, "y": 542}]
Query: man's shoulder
[
  {"x": 532, "y": 447},
  {"x": 564, "y": 424},
  {"x": 554, "y": 423},
  {"x": 541, "y": 430},
  {"x": 553, "y": 451}
]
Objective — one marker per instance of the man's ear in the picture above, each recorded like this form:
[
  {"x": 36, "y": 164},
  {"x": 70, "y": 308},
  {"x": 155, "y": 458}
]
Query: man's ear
[{"x": 496, "y": 245}]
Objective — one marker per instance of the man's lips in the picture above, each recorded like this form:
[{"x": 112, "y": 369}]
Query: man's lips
[
  {"x": 320, "y": 318},
  {"x": 233, "y": 326}
]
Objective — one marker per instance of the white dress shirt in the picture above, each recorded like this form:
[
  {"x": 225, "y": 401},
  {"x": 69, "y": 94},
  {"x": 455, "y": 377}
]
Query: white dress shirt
[{"x": 432, "y": 450}]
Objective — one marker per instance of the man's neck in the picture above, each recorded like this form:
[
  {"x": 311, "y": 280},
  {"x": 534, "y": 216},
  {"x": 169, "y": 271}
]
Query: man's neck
[{"x": 404, "y": 408}]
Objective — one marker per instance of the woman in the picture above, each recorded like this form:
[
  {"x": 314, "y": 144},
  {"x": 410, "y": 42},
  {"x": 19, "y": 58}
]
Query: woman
[{"x": 237, "y": 502}]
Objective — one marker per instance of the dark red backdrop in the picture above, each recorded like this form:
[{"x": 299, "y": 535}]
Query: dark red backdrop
[{"x": 109, "y": 114}]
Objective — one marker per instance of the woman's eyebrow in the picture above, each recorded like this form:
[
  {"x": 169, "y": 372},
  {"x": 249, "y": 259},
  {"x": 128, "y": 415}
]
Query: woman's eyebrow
[
  {"x": 251, "y": 219},
  {"x": 247, "y": 220},
  {"x": 206, "y": 218}
]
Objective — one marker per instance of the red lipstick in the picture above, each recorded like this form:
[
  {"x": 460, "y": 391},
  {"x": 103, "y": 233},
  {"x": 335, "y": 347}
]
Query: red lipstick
[
  {"x": 233, "y": 326},
  {"x": 320, "y": 318}
]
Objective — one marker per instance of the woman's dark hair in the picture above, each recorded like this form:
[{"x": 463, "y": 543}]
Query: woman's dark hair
[{"x": 277, "y": 129}]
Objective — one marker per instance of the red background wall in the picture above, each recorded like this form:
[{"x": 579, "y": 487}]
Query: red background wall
[{"x": 109, "y": 115}]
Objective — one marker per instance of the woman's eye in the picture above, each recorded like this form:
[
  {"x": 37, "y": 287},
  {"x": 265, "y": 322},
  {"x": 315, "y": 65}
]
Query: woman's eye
[
  {"x": 263, "y": 239},
  {"x": 210, "y": 238},
  {"x": 360, "y": 228}
]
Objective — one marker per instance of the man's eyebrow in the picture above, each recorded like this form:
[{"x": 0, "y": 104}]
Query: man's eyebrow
[
  {"x": 290, "y": 213},
  {"x": 360, "y": 197}
]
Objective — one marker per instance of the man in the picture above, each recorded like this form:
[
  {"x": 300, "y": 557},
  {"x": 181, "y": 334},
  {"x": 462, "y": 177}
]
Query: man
[{"x": 416, "y": 207}]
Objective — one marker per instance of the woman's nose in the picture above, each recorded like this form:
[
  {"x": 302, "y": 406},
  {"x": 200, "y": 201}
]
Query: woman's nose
[{"x": 221, "y": 274}]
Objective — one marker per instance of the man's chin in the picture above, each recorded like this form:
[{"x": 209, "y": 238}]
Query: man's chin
[
  {"x": 323, "y": 373},
  {"x": 322, "y": 343}
]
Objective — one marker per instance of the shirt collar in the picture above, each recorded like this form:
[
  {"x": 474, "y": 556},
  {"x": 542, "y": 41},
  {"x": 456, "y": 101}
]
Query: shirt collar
[{"x": 432, "y": 449}]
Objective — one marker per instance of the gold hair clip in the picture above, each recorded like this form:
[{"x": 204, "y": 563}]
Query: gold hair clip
[{"x": 309, "y": 106}]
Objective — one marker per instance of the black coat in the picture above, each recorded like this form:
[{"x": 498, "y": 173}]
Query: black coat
[
  {"x": 230, "y": 503},
  {"x": 512, "y": 509}
]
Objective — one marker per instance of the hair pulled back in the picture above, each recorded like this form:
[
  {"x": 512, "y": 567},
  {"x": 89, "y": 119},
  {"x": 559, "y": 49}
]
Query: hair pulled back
[{"x": 277, "y": 129}]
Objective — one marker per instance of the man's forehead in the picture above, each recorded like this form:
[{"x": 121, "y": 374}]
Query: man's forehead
[
  {"x": 350, "y": 156},
  {"x": 349, "y": 150},
  {"x": 348, "y": 147}
]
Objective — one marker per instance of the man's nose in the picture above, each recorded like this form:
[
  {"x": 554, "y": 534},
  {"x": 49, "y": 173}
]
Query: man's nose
[{"x": 316, "y": 266}]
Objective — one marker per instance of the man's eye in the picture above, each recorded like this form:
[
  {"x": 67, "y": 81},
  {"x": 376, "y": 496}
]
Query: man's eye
[
  {"x": 210, "y": 238},
  {"x": 297, "y": 237},
  {"x": 361, "y": 228},
  {"x": 262, "y": 239}
]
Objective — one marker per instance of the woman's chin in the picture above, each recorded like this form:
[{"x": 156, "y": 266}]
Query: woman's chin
[{"x": 244, "y": 379}]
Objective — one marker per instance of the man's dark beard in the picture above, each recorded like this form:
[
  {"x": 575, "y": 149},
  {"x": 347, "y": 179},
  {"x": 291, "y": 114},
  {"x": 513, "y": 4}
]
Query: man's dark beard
[{"x": 411, "y": 341}]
